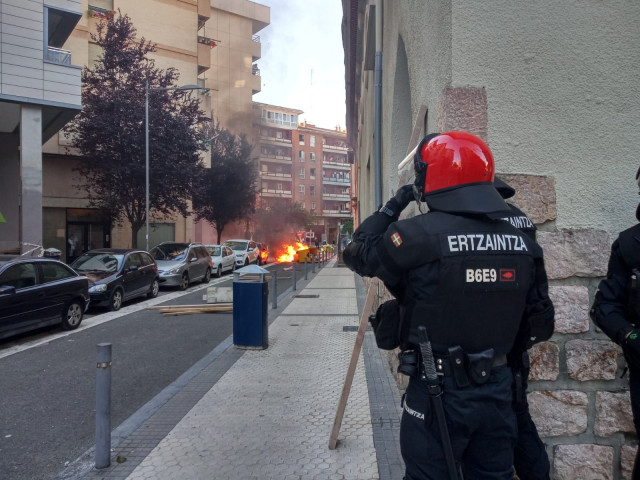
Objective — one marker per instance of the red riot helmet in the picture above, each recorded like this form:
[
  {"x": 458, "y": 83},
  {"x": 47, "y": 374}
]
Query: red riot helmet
[{"x": 455, "y": 173}]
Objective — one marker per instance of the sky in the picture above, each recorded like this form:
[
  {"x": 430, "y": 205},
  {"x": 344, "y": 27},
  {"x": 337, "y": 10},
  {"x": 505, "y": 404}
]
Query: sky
[{"x": 302, "y": 64}]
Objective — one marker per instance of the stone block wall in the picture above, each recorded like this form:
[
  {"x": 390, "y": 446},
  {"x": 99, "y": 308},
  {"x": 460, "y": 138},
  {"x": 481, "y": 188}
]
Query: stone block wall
[{"x": 578, "y": 395}]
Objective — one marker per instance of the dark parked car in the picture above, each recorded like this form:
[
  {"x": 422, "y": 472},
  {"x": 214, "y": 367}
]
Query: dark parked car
[
  {"x": 36, "y": 292},
  {"x": 180, "y": 264},
  {"x": 117, "y": 275}
]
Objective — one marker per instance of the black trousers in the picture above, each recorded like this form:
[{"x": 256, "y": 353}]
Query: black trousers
[
  {"x": 482, "y": 427},
  {"x": 530, "y": 456},
  {"x": 634, "y": 391}
]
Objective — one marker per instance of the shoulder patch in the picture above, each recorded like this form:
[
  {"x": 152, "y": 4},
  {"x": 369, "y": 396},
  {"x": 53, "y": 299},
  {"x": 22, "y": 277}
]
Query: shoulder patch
[{"x": 396, "y": 239}]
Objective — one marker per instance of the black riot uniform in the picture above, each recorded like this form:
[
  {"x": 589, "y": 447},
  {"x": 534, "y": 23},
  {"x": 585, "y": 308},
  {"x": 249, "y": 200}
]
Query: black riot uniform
[
  {"x": 469, "y": 280},
  {"x": 529, "y": 457},
  {"x": 616, "y": 310}
]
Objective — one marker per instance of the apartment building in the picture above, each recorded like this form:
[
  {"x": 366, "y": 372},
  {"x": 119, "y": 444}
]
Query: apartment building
[
  {"x": 39, "y": 94},
  {"x": 304, "y": 164},
  {"x": 212, "y": 43}
]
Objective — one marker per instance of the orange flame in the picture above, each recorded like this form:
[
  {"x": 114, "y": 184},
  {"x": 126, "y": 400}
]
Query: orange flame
[{"x": 290, "y": 252}]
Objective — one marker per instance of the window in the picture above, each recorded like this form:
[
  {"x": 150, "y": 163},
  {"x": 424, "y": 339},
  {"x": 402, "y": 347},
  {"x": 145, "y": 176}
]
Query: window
[
  {"x": 301, "y": 138},
  {"x": 312, "y": 140},
  {"x": 19, "y": 276},
  {"x": 279, "y": 187},
  {"x": 301, "y": 189},
  {"x": 312, "y": 156},
  {"x": 312, "y": 190},
  {"x": 312, "y": 173},
  {"x": 294, "y": 120},
  {"x": 54, "y": 271},
  {"x": 301, "y": 172},
  {"x": 313, "y": 206},
  {"x": 279, "y": 118},
  {"x": 278, "y": 134},
  {"x": 302, "y": 155}
]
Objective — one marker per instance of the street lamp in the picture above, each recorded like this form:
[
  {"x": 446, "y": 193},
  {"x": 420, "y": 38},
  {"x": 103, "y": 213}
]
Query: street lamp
[{"x": 147, "y": 89}]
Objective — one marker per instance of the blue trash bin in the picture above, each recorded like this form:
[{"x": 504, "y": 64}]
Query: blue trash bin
[{"x": 250, "y": 301}]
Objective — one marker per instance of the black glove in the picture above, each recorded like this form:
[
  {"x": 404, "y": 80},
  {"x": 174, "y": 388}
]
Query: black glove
[
  {"x": 631, "y": 348},
  {"x": 403, "y": 197}
]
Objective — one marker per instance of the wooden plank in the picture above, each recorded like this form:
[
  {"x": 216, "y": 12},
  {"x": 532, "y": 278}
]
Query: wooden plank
[{"x": 346, "y": 387}]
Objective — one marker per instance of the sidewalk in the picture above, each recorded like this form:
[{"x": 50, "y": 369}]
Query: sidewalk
[{"x": 267, "y": 414}]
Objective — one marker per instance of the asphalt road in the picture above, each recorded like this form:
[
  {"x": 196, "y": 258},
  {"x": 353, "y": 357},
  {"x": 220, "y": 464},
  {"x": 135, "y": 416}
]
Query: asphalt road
[{"x": 47, "y": 379}]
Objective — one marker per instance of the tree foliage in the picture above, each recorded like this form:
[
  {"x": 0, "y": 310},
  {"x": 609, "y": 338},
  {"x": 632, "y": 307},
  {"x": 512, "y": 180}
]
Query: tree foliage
[
  {"x": 278, "y": 223},
  {"x": 228, "y": 189},
  {"x": 347, "y": 227},
  {"x": 109, "y": 132}
]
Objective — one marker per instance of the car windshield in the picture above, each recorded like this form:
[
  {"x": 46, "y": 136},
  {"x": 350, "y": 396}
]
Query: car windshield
[
  {"x": 98, "y": 262},
  {"x": 237, "y": 246},
  {"x": 169, "y": 252},
  {"x": 214, "y": 251}
]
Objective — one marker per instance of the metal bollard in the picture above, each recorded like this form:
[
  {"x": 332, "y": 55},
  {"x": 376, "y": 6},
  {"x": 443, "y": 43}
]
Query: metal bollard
[
  {"x": 103, "y": 406},
  {"x": 313, "y": 264},
  {"x": 293, "y": 276},
  {"x": 274, "y": 295},
  {"x": 306, "y": 259}
]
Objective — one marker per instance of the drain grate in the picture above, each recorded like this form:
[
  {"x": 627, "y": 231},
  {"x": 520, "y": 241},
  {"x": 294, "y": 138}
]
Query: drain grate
[
  {"x": 307, "y": 296},
  {"x": 350, "y": 328}
]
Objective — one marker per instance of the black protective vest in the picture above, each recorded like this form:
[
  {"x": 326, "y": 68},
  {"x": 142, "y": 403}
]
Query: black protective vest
[
  {"x": 629, "y": 244},
  {"x": 467, "y": 281},
  {"x": 518, "y": 219}
]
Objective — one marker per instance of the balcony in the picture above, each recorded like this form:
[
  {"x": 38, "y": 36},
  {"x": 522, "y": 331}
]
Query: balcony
[
  {"x": 336, "y": 181},
  {"x": 274, "y": 175},
  {"x": 337, "y": 165},
  {"x": 204, "y": 57},
  {"x": 337, "y": 196},
  {"x": 101, "y": 11},
  {"x": 59, "y": 56},
  {"x": 336, "y": 213},
  {"x": 267, "y": 192},
  {"x": 204, "y": 12},
  {"x": 275, "y": 141},
  {"x": 334, "y": 148}
]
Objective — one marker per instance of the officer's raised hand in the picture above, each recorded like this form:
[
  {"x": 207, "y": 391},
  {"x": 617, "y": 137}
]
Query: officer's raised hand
[
  {"x": 631, "y": 347},
  {"x": 399, "y": 202}
]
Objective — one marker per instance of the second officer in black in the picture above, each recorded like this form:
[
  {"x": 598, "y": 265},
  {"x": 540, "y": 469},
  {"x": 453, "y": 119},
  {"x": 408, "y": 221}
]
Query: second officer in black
[{"x": 477, "y": 284}]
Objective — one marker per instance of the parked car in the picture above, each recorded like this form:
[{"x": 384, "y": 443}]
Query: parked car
[
  {"x": 246, "y": 251},
  {"x": 223, "y": 259},
  {"x": 36, "y": 292},
  {"x": 264, "y": 253},
  {"x": 180, "y": 264},
  {"x": 117, "y": 275}
]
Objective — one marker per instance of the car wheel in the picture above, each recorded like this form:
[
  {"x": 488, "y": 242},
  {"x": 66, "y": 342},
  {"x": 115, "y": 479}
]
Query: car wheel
[
  {"x": 246, "y": 262},
  {"x": 219, "y": 271},
  {"x": 207, "y": 275},
  {"x": 184, "y": 282},
  {"x": 115, "y": 302},
  {"x": 72, "y": 315},
  {"x": 155, "y": 288},
  {"x": 258, "y": 261}
]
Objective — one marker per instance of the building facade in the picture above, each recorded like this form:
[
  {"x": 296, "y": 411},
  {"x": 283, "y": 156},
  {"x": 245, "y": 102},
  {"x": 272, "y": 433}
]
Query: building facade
[
  {"x": 212, "y": 43},
  {"x": 39, "y": 94},
  {"x": 304, "y": 164},
  {"x": 552, "y": 87}
]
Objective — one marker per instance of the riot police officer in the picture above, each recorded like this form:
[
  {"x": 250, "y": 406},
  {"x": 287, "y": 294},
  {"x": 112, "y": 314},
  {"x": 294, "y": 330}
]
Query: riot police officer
[
  {"x": 529, "y": 457},
  {"x": 477, "y": 285},
  {"x": 616, "y": 310}
]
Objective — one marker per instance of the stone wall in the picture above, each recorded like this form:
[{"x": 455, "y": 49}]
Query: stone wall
[{"x": 578, "y": 393}]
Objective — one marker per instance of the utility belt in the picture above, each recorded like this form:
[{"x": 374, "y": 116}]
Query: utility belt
[{"x": 466, "y": 368}]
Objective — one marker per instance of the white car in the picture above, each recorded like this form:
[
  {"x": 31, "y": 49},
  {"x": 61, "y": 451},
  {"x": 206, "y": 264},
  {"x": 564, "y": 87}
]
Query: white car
[
  {"x": 224, "y": 259},
  {"x": 246, "y": 251}
]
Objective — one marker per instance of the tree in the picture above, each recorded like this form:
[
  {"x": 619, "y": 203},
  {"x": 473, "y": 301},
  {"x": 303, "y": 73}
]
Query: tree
[
  {"x": 228, "y": 189},
  {"x": 277, "y": 223},
  {"x": 347, "y": 227},
  {"x": 109, "y": 132}
]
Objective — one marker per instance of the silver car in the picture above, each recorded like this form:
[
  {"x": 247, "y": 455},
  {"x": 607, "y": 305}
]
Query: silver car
[
  {"x": 224, "y": 260},
  {"x": 180, "y": 264},
  {"x": 246, "y": 251}
]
